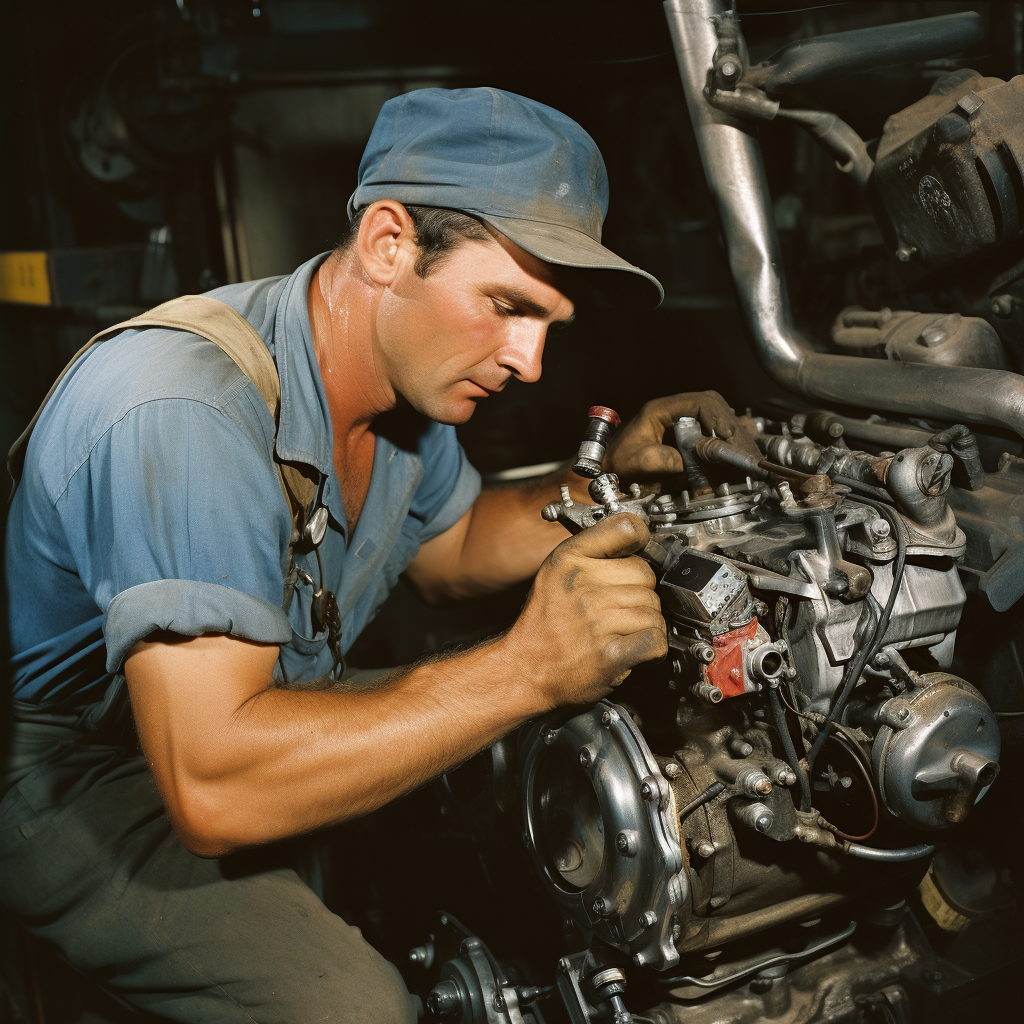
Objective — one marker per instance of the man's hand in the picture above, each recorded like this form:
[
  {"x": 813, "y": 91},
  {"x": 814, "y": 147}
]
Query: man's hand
[
  {"x": 591, "y": 616},
  {"x": 644, "y": 449}
]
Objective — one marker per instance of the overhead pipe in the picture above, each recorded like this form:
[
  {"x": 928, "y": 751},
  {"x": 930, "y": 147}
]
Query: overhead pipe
[{"x": 732, "y": 161}]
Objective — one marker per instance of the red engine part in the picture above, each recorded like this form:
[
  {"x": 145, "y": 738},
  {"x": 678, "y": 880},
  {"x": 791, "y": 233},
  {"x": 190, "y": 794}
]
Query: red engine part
[{"x": 726, "y": 671}]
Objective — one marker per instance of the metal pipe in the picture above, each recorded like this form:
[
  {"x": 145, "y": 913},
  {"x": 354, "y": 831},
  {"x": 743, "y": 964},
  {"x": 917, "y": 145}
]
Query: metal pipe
[
  {"x": 889, "y": 856},
  {"x": 712, "y": 932},
  {"x": 851, "y": 53},
  {"x": 732, "y": 161}
]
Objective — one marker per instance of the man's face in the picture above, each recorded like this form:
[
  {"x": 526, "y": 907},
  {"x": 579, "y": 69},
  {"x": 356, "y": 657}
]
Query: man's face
[{"x": 479, "y": 318}]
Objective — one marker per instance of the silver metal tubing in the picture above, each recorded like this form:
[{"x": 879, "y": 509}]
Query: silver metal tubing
[
  {"x": 732, "y": 161},
  {"x": 889, "y": 856}
]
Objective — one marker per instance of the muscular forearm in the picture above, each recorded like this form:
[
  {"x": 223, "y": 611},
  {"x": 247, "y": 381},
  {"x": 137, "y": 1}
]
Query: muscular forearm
[
  {"x": 503, "y": 540},
  {"x": 291, "y": 761}
]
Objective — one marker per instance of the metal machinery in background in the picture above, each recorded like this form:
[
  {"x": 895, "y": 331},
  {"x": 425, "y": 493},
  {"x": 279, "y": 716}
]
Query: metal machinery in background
[{"x": 736, "y": 833}]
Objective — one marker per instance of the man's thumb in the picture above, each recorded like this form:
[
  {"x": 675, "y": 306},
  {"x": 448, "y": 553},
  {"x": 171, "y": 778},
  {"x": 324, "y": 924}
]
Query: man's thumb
[{"x": 618, "y": 535}]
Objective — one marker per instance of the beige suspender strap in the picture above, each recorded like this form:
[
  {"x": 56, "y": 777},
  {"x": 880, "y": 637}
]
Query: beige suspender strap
[{"x": 237, "y": 338}]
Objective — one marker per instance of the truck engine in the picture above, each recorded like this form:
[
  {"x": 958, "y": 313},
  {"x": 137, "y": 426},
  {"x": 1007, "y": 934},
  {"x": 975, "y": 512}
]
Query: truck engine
[{"x": 716, "y": 832}]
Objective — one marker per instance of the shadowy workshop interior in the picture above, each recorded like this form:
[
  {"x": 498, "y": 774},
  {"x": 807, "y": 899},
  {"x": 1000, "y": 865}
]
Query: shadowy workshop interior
[{"x": 154, "y": 148}]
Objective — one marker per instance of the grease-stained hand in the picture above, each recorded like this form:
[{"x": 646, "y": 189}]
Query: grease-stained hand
[
  {"x": 644, "y": 449},
  {"x": 592, "y": 615}
]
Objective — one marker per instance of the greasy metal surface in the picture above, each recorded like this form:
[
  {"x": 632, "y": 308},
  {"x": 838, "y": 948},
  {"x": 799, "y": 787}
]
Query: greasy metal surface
[
  {"x": 602, "y": 827},
  {"x": 848, "y": 53},
  {"x": 913, "y": 764},
  {"x": 735, "y": 171},
  {"x": 829, "y": 989}
]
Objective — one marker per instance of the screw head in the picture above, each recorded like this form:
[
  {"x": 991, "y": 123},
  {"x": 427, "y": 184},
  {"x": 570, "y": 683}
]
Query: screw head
[
  {"x": 564, "y": 965},
  {"x": 600, "y": 906},
  {"x": 729, "y": 69},
  {"x": 648, "y": 919},
  {"x": 609, "y": 718},
  {"x": 585, "y": 757},
  {"x": 763, "y": 823},
  {"x": 627, "y": 842},
  {"x": 672, "y": 771},
  {"x": 705, "y": 849},
  {"x": 639, "y": 959}
]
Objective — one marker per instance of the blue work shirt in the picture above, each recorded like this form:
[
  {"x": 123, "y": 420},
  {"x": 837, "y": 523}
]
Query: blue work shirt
[{"x": 150, "y": 501}]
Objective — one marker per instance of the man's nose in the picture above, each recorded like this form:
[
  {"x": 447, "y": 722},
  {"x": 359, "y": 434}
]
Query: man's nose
[{"x": 524, "y": 353}]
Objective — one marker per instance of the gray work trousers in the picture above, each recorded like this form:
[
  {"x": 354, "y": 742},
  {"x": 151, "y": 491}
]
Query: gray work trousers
[{"x": 89, "y": 862}]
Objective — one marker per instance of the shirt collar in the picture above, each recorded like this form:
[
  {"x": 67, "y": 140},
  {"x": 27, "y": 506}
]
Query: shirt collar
[{"x": 304, "y": 431}]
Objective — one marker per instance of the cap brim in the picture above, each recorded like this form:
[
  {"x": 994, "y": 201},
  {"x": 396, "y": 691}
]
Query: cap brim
[{"x": 565, "y": 247}]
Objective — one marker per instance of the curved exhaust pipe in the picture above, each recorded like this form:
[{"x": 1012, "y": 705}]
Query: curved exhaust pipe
[{"x": 732, "y": 161}]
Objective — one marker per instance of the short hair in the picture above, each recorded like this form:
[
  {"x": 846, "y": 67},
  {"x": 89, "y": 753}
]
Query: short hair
[{"x": 439, "y": 231}]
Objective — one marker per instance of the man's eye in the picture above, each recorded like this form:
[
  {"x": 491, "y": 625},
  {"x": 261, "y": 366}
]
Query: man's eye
[{"x": 505, "y": 310}]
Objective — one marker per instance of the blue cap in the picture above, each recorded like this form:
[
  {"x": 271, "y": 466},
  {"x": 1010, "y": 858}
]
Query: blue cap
[{"x": 524, "y": 168}]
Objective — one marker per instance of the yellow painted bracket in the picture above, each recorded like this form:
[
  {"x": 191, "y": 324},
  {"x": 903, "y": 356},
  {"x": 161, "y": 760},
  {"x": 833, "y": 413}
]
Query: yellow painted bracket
[{"x": 24, "y": 277}]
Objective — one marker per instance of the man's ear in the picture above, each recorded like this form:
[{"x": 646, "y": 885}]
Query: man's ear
[{"x": 386, "y": 236}]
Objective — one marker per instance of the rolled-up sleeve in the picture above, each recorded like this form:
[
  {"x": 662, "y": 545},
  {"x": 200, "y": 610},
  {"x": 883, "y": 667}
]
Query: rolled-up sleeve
[
  {"x": 449, "y": 485},
  {"x": 187, "y": 527}
]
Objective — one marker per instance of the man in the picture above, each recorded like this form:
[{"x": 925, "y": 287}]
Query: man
[{"x": 149, "y": 541}]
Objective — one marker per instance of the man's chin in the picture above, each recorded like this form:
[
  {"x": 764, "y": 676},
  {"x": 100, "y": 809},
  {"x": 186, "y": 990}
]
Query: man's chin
[{"x": 452, "y": 412}]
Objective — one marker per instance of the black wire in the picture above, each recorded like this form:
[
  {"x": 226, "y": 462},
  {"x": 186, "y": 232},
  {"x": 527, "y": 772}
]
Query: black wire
[
  {"x": 698, "y": 801},
  {"x": 779, "y": 714},
  {"x": 867, "y": 651}
]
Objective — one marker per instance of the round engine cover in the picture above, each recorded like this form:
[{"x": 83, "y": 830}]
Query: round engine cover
[
  {"x": 602, "y": 828},
  {"x": 924, "y": 763}
]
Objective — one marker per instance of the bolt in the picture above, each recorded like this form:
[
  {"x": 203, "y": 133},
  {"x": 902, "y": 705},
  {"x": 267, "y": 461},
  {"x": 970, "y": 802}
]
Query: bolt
[
  {"x": 763, "y": 823},
  {"x": 846, "y": 782},
  {"x": 648, "y": 919},
  {"x": 879, "y": 528},
  {"x": 740, "y": 747},
  {"x": 705, "y": 849},
  {"x": 549, "y": 736},
  {"x": 934, "y": 335},
  {"x": 627, "y": 842},
  {"x": 729, "y": 69},
  {"x": 600, "y": 906},
  {"x": 672, "y": 771},
  {"x": 649, "y": 789},
  {"x": 763, "y": 786},
  {"x": 639, "y": 959},
  {"x": 498, "y": 1000},
  {"x": 564, "y": 965},
  {"x": 905, "y": 253},
  {"x": 609, "y": 718},
  {"x": 585, "y": 757},
  {"x": 719, "y": 901},
  {"x": 1002, "y": 305},
  {"x": 882, "y": 659},
  {"x": 735, "y": 674},
  {"x": 903, "y": 714}
]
